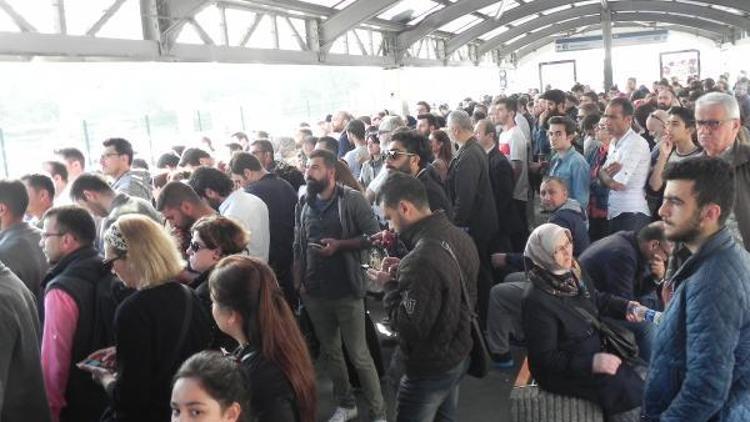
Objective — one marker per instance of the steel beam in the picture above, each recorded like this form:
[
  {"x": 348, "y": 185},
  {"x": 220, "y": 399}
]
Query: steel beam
[
  {"x": 300, "y": 41},
  {"x": 19, "y": 20},
  {"x": 537, "y": 23},
  {"x": 554, "y": 30},
  {"x": 534, "y": 7},
  {"x": 349, "y": 17},
  {"x": 695, "y": 22},
  {"x": 439, "y": 18},
  {"x": 201, "y": 32},
  {"x": 525, "y": 51},
  {"x": 176, "y": 14},
  {"x": 701, "y": 12},
  {"x": 310, "y": 9},
  {"x": 108, "y": 13},
  {"x": 251, "y": 29},
  {"x": 28, "y": 43}
]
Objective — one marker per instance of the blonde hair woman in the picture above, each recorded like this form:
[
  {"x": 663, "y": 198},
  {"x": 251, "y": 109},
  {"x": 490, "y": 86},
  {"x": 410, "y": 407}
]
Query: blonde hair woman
[{"x": 155, "y": 328}]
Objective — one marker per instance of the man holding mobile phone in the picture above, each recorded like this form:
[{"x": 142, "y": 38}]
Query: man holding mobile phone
[{"x": 332, "y": 225}]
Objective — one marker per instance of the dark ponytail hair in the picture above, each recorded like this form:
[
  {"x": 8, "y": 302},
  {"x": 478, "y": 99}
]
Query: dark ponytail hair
[
  {"x": 220, "y": 376},
  {"x": 248, "y": 286}
]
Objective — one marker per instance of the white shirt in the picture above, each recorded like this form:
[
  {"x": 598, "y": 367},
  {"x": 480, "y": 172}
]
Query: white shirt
[
  {"x": 633, "y": 153},
  {"x": 523, "y": 124},
  {"x": 252, "y": 213},
  {"x": 64, "y": 197},
  {"x": 513, "y": 144}
]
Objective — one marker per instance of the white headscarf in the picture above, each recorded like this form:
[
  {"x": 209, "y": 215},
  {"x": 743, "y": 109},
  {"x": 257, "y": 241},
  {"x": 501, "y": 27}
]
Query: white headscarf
[{"x": 540, "y": 247}]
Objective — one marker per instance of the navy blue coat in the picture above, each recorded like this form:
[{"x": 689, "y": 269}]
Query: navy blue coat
[
  {"x": 700, "y": 364},
  {"x": 616, "y": 266}
]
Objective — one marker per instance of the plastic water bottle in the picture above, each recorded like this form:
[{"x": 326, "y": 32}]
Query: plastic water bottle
[{"x": 652, "y": 316}]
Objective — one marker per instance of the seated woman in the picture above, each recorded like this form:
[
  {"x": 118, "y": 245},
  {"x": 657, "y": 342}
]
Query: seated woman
[
  {"x": 210, "y": 386},
  {"x": 213, "y": 238},
  {"x": 565, "y": 351},
  {"x": 156, "y": 328},
  {"x": 248, "y": 304}
]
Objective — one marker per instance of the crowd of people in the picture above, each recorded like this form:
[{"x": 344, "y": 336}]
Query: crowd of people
[{"x": 568, "y": 222}]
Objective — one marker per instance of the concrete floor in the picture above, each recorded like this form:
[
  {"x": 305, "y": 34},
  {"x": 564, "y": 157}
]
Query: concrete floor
[{"x": 483, "y": 399}]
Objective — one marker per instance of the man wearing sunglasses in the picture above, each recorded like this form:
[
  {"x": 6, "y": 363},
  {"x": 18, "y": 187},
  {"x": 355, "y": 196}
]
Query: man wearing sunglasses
[
  {"x": 409, "y": 152},
  {"x": 720, "y": 133}
]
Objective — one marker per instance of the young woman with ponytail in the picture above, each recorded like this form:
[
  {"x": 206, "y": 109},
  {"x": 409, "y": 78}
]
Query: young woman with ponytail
[{"x": 248, "y": 305}]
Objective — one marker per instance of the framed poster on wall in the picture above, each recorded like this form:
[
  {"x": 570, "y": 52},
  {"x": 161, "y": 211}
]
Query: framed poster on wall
[
  {"x": 680, "y": 64},
  {"x": 557, "y": 75}
]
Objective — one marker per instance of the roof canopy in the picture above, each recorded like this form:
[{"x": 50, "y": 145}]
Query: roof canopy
[{"x": 344, "y": 32}]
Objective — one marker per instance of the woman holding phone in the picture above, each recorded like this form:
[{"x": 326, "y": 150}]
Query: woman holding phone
[
  {"x": 156, "y": 328},
  {"x": 248, "y": 304}
]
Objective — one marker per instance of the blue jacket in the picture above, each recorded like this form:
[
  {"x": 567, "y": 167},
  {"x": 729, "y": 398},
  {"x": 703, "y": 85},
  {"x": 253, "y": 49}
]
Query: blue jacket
[
  {"x": 700, "y": 364},
  {"x": 574, "y": 170}
]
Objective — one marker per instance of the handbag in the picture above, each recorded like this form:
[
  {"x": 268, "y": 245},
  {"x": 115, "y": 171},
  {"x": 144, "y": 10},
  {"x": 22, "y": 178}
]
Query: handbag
[
  {"x": 479, "y": 357},
  {"x": 616, "y": 339}
]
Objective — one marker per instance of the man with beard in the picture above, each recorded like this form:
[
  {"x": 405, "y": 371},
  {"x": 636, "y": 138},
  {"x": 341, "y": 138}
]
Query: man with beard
[
  {"x": 554, "y": 99},
  {"x": 79, "y": 311},
  {"x": 699, "y": 369},
  {"x": 720, "y": 133},
  {"x": 424, "y": 300},
  {"x": 426, "y": 123},
  {"x": 332, "y": 226},
  {"x": 181, "y": 208},
  {"x": 410, "y": 153},
  {"x": 217, "y": 190},
  {"x": 666, "y": 99}
]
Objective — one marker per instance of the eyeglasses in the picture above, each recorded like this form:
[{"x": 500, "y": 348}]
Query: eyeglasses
[
  {"x": 195, "y": 246},
  {"x": 562, "y": 248},
  {"x": 46, "y": 235},
  {"x": 107, "y": 263},
  {"x": 710, "y": 124},
  {"x": 654, "y": 116},
  {"x": 394, "y": 154},
  {"x": 109, "y": 154}
]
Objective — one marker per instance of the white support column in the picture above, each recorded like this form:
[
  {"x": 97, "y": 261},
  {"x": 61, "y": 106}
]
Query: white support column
[
  {"x": 274, "y": 31},
  {"x": 223, "y": 25},
  {"x": 149, "y": 20},
  {"x": 607, "y": 36},
  {"x": 58, "y": 16}
]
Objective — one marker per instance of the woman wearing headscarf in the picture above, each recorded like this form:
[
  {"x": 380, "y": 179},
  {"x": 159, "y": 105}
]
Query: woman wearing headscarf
[
  {"x": 156, "y": 328},
  {"x": 565, "y": 351}
]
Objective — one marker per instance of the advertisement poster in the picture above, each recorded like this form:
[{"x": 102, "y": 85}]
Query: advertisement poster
[{"x": 680, "y": 64}]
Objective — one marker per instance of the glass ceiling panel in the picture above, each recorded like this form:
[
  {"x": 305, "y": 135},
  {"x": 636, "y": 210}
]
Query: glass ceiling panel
[
  {"x": 412, "y": 8},
  {"x": 493, "y": 33},
  {"x": 492, "y": 9},
  {"x": 421, "y": 16},
  {"x": 460, "y": 24},
  {"x": 327, "y": 3}
]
